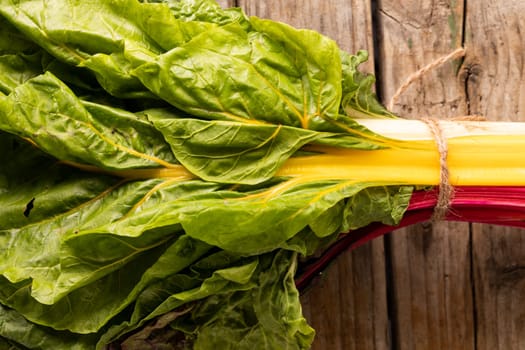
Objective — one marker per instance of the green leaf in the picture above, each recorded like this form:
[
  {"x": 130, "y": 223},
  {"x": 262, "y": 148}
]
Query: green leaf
[
  {"x": 267, "y": 316},
  {"x": 248, "y": 222},
  {"x": 204, "y": 11},
  {"x": 177, "y": 290},
  {"x": 15, "y": 69},
  {"x": 6, "y": 344},
  {"x": 54, "y": 190},
  {"x": 329, "y": 222},
  {"x": 18, "y": 158},
  {"x": 385, "y": 204},
  {"x": 89, "y": 308},
  {"x": 18, "y": 333},
  {"x": 240, "y": 153},
  {"x": 232, "y": 152},
  {"x": 359, "y": 99},
  {"x": 14, "y": 42},
  {"x": 46, "y": 111},
  {"x": 131, "y": 33},
  {"x": 229, "y": 74},
  {"x": 319, "y": 70}
]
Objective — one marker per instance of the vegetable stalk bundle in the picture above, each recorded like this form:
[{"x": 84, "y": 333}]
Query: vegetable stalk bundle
[
  {"x": 495, "y": 205},
  {"x": 164, "y": 164}
]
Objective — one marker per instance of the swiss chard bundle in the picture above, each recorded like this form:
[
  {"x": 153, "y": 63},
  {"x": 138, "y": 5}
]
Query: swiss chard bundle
[{"x": 164, "y": 164}]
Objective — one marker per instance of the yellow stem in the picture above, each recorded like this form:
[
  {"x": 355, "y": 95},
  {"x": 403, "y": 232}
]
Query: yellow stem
[
  {"x": 483, "y": 154},
  {"x": 489, "y": 160}
]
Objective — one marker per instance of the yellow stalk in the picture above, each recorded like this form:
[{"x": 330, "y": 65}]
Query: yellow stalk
[
  {"x": 476, "y": 157},
  {"x": 479, "y": 153}
]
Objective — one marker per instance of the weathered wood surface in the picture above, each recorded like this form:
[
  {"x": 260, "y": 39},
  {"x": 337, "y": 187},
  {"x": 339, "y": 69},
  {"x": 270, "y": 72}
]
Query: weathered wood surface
[
  {"x": 443, "y": 286},
  {"x": 431, "y": 292},
  {"x": 495, "y": 71}
]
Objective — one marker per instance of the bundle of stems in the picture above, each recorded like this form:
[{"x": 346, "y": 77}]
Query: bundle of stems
[
  {"x": 496, "y": 205},
  {"x": 486, "y": 166},
  {"x": 479, "y": 154}
]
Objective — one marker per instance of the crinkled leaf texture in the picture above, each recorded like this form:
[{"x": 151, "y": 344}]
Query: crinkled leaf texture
[
  {"x": 265, "y": 317},
  {"x": 265, "y": 75},
  {"x": 358, "y": 98},
  {"x": 117, "y": 217}
]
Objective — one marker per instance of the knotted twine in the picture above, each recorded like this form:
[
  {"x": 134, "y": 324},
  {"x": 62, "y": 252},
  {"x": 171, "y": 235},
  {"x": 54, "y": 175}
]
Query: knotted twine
[{"x": 445, "y": 189}]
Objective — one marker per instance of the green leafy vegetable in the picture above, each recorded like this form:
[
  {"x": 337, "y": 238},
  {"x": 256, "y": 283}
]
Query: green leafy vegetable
[
  {"x": 151, "y": 183},
  {"x": 358, "y": 100}
]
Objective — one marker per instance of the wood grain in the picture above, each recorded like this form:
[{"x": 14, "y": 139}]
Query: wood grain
[
  {"x": 431, "y": 291},
  {"x": 431, "y": 288},
  {"x": 347, "y": 306},
  {"x": 226, "y": 3},
  {"x": 495, "y": 81},
  {"x": 412, "y": 34}
]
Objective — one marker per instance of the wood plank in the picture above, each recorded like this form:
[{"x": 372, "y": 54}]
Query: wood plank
[
  {"x": 347, "y": 307},
  {"x": 226, "y": 3},
  {"x": 495, "y": 77},
  {"x": 431, "y": 294},
  {"x": 412, "y": 34},
  {"x": 431, "y": 287},
  {"x": 500, "y": 287}
]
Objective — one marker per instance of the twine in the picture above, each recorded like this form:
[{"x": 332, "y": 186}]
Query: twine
[
  {"x": 445, "y": 189},
  {"x": 469, "y": 118},
  {"x": 459, "y": 52}
]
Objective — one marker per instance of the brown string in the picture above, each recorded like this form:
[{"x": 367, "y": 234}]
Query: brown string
[
  {"x": 446, "y": 190},
  {"x": 469, "y": 118},
  {"x": 459, "y": 52}
]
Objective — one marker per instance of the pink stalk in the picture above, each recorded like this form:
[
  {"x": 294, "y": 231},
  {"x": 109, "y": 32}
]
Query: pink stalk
[{"x": 490, "y": 205}]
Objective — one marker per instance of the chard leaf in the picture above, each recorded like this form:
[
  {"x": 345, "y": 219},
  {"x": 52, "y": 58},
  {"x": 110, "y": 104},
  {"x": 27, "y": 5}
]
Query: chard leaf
[
  {"x": 44, "y": 267},
  {"x": 6, "y": 344},
  {"x": 174, "y": 291},
  {"x": 232, "y": 152},
  {"x": 204, "y": 11},
  {"x": 125, "y": 34},
  {"x": 18, "y": 333},
  {"x": 359, "y": 100},
  {"x": 385, "y": 204},
  {"x": 15, "y": 69},
  {"x": 18, "y": 158},
  {"x": 267, "y": 316},
  {"x": 14, "y": 42},
  {"x": 47, "y": 112},
  {"x": 89, "y": 308},
  {"x": 319, "y": 70},
  {"x": 45, "y": 196},
  {"x": 237, "y": 307},
  {"x": 78, "y": 79},
  {"x": 329, "y": 222},
  {"x": 258, "y": 221},
  {"x": 227, "y": 73},
  {"x": 267, "y": 219},
  {"x": 240, "y": 153}
]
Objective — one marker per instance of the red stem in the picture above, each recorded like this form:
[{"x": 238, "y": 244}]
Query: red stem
[{"x": 490, "y": 205}]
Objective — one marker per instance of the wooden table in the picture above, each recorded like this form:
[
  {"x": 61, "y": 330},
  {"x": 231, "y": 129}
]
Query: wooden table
[{"x": 444, "y": 286}]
